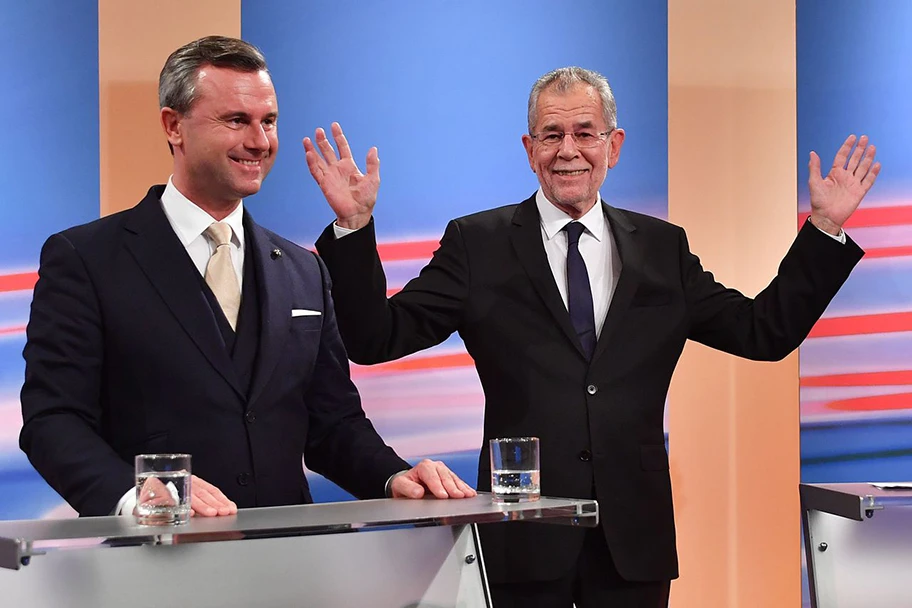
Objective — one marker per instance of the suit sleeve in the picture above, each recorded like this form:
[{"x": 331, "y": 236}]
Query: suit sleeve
[
  {"x": 424, "y": 313},
  {"x": 772, "y": 325},
  {"x": 342, "y": 443},
  {"x": 61, "y": 402}
]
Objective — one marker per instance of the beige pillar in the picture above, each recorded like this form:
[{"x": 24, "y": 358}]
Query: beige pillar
[
  {"x": 733, "y": 424},
  {"x": 134, "y": 39}
]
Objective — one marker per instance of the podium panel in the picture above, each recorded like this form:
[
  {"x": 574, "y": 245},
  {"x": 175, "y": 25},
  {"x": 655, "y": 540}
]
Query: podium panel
[
  {"x": 857, "y": 543},
  {"x": 395, "y": 553}
]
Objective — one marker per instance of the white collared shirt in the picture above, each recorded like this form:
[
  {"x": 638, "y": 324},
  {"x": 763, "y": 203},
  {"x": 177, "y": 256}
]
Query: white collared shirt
[
  {"x": 189, "y": 223},
  {"x": 596, "y": 245}
]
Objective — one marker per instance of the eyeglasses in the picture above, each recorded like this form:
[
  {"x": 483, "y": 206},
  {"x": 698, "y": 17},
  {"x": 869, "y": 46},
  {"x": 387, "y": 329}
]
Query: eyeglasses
[{"x": 583, "y": 139}]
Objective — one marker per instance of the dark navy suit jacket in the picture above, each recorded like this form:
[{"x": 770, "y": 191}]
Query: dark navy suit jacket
[{"x": 124, "y": 356}]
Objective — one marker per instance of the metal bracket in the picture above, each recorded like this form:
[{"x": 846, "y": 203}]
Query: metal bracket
[{"x": 16, "y": 553}]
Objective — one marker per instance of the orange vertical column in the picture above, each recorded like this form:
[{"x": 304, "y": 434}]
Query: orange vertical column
[
  {"x": 734, "y": 424},
  {"x": 134, "y": 39}
]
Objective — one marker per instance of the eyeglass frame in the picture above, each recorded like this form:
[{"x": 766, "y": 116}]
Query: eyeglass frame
[{"x": 599, "y": 138}]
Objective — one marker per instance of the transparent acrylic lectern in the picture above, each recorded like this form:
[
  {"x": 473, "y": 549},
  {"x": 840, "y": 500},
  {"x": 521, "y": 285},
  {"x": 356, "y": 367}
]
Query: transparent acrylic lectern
[
  {"x": 858, "y": 542},
  {"x": 400, "y": 553}
]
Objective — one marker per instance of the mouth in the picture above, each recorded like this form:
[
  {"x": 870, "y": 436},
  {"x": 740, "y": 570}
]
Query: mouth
[
  {"x": 247, "y": 162},
  {"x": 569, "y": 173}
]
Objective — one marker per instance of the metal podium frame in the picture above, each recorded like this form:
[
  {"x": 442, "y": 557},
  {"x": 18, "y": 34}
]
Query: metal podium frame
[
  {"x": 858, "y": 544},
  {"x": 397, "y": 553}
]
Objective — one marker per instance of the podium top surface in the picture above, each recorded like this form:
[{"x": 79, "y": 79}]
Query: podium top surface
[
  {"x": 854, "y": 500},
  {"x": 311, "y": 519}
]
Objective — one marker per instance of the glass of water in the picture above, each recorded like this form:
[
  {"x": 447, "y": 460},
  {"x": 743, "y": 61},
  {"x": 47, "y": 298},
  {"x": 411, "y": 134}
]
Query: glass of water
[
  {"x": 162, "y": 489},
  {"x": 515, "y": 469}
]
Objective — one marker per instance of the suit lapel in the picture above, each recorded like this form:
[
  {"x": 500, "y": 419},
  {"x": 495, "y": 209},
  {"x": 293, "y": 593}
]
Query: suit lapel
[
  {"x": 631, "y": 255},
  {"x": 163, "y": 259},
  {"x": 526, "y": 237},
  {"x": 275, "y": 304}
]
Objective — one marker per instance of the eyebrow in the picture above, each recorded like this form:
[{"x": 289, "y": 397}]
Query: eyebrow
[
  {"x": 247, "y": 115},
  {"x": 552, "y": 128}
]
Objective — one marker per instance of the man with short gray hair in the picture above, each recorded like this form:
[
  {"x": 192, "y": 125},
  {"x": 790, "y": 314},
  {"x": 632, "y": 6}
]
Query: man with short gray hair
[{"x": 575, "y": 313}]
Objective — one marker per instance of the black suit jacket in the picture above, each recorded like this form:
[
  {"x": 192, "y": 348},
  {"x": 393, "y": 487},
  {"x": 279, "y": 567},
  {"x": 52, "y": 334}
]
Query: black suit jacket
[
  {"x": 124, "y": 356},
  {"x": 491, "y": 282}
]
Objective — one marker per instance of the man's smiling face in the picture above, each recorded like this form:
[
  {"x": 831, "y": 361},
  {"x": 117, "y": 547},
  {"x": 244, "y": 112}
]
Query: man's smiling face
[{"x": 570, "y": 176}]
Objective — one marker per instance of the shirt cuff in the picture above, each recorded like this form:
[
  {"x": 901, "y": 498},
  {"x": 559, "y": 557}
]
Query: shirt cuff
[
  {"x": 841, "y": 237},
  {"x": 339, "y": 232},
  {"x": 387, "y": 489},
  {"x": 126, "y": 504}
]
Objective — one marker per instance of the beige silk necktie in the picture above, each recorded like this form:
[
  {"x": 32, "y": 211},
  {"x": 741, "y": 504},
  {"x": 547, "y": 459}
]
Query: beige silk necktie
[{"x": 220, "y": 275}]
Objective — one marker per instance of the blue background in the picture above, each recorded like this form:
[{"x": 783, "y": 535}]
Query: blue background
[
  {"x": 854, "y": 77},
  {"x": 49, "y": 182}
]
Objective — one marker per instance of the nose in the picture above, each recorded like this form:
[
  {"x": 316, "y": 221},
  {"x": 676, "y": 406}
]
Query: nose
[
  {"x": 256, "y": 138},
  {"x": 568, "y": 149}
]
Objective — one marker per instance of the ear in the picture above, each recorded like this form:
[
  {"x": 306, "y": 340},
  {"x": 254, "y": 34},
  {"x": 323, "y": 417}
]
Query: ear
[
  {"x": 615, "y": 141},
  {"x": 171, "y": 125},
  {"x": 527, "y": 144}
]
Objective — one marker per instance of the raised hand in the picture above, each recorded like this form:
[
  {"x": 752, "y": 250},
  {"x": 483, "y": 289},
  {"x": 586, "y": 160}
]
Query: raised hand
[
  {"x": 835, "y": 197},
  {"x": 350, "y": 193}
]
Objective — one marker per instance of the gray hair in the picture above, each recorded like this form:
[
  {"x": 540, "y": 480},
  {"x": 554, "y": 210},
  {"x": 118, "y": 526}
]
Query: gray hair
[
  {"x": 177, "y": 81},
  {"x": 564, "y": 79}
]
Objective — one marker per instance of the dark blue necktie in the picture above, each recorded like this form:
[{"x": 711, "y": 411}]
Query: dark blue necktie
[{"x": 579, "y": 292}]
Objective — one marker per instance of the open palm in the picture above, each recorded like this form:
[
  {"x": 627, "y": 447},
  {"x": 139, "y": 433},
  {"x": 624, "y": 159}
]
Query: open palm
[
  {"x": 835, "y": 197},
  {"x": 350, "y": 193}
]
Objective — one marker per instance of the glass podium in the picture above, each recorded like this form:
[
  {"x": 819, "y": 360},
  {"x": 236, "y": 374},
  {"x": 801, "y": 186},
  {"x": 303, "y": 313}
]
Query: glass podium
[
  {"x": 401, "y": 553},
  {"x": 858, "y": 543}
]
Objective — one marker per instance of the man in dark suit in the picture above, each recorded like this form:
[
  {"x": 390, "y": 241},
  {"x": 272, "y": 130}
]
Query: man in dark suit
[
  {"x": 180, "y": 325},
  {"x": 575, "y": 314}
]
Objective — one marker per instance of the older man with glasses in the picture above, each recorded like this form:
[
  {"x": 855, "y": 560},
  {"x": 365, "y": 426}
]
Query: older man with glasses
[{"x": 575, "y": 313}]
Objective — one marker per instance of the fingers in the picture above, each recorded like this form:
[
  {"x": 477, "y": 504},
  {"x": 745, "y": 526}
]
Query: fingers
[
  {"x": 323, "y": 162},
  {"x": 154, "y": 493},
  {"x": 439, "y": 480},
  {"x": 325, "y": 147},
  {"x": 373, "y": 163},
  {"x": 434, "y": 480},
  {"x": 208, "y": 501},
  {"x": 842, "y": 155},
  {"x": 814, "y": 176},
  {"x": 871, "y": 177},
  {"x": 341, "y": 142},
  {"x": 467, "y": 490},
  {"x": 454, "y": 486},
  {"x": 861, "y": 164},
  {"x": 866, "y": 166},
  {"x": 315, "y": 162},
  {"x": 857, "y": 154}
]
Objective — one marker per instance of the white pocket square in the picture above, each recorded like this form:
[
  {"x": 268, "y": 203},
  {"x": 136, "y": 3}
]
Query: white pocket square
[{"x": 303, "y": 312}]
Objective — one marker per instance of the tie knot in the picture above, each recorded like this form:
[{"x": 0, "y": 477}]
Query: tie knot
[
  {"x": 574, "y": 232},
  {"x": 220, "y": 233}
]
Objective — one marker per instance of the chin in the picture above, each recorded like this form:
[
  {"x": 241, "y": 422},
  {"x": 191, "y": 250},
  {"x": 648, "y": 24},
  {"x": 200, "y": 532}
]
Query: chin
[
  {"x": 577, "y": 202},
  {"x": 249, "y": 189}
]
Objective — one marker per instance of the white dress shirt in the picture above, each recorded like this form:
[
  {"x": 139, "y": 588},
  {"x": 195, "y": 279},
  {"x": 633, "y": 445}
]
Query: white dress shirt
[
  {"x": 189, "y": 223},
  {"x": 596, "y": 245}
]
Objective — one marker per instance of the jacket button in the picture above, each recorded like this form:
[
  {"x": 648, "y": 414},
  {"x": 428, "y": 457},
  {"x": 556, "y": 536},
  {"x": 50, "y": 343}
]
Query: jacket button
[
  {"x": 243, "y": 479},
  {"x": 585, "y": 455},
  {"x": 250, "y": 417},
  {"x": 592, "y": 389}
]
